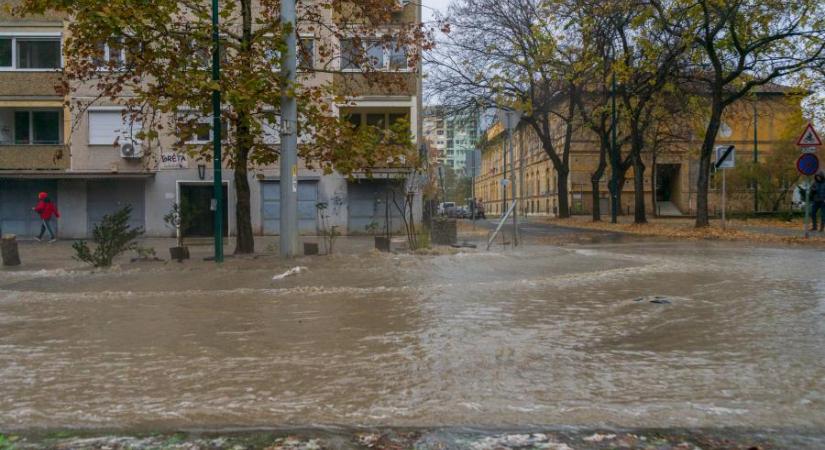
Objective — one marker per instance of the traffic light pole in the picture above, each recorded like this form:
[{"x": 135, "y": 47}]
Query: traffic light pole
[
  {"x": 217, "y": 160},
  {"x": 289, "y": 137}
]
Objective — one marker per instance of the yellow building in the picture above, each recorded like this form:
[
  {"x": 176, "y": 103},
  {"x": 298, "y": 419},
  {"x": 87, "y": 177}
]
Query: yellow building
[{"x": 672, "y": 168}]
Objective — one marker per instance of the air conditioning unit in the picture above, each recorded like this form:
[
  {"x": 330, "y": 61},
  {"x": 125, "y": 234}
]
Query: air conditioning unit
[{"x": 131, "y": 150}]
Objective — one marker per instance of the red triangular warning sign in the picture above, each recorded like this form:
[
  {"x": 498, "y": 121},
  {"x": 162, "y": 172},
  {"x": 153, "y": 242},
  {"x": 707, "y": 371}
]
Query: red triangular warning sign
[{"x": 809, "y": 138}]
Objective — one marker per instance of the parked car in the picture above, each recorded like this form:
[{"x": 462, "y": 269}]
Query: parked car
[{"x": 446, "y": 208}]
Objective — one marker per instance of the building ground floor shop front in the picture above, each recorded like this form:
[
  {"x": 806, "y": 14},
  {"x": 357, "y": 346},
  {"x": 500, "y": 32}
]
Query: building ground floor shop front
[{"x": 353, "y": 206}]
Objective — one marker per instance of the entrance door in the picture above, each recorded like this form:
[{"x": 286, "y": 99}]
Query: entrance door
[
  {"x": 307, "y": 212},
  {"x": 17, "y": 198},
  {"x": 198, "y": 217},
  {"x": 666, "y": 178}
]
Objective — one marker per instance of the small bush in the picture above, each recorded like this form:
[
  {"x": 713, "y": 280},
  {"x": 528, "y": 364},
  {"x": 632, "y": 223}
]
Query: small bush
[{"x": 113, "y": 236}]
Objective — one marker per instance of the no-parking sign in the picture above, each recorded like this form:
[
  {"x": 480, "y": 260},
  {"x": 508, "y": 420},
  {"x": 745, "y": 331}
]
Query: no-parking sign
[{"x": 807, "y": 164}]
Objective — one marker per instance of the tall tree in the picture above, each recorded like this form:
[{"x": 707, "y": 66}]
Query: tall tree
[
  {"x": 160, "y": 75},
  {"x": 507, "y": 53},
  {"x": 647, "y": 60},
  {"x": 592, "y": 22},
  {"x": 740, "y": 46}
]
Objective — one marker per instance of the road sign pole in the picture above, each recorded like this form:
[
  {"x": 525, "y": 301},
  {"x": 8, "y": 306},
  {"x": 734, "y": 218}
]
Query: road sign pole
[
  {"x": 724, "y": 195},
  {"x": 807, "y": 206}
]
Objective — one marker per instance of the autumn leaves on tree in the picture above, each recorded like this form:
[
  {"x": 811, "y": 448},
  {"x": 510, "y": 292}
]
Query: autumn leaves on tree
[
  {"x": 152, "y": 57},
  {"x": 675, "y": 62}
]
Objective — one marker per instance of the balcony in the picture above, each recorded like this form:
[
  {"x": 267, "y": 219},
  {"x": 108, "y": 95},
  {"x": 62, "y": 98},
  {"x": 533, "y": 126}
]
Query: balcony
[
  {"x": 376, "y": 84},
  {"x": 29, "y": 84},
  {"x": 33, "y": 157},
  {"x": 32, "y": 139}
]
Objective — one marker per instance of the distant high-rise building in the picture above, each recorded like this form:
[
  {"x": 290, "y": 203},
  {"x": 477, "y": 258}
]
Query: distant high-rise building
[{"x": 453, "y": 136}]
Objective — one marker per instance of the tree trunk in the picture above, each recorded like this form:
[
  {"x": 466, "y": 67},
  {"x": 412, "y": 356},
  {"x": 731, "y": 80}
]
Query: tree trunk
[
  {"x": 245, "y": 242},
  {"x": 8, "y": 248},
  {"x": 595, "y": 179},
  {"x": 640, "y": 215},
  {"x": 619, "y": 190},
  {"x": 561, "y": 187},
  {"x": 703, "y": 182},
  {"x": 595, "y": 195},
  {"x": 654, "y": 203}
]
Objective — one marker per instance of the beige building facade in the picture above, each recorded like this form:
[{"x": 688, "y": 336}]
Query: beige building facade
[
  {"x": 671, "y": 169},
  {"x": 81, "y": 158}
]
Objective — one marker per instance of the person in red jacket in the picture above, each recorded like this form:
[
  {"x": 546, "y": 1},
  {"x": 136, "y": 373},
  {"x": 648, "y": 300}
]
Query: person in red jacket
[{"x": 46, "y": 209}]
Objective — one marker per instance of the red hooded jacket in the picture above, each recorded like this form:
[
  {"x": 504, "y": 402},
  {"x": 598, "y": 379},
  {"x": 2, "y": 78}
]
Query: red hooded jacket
[{"x": 46, "y": 210}]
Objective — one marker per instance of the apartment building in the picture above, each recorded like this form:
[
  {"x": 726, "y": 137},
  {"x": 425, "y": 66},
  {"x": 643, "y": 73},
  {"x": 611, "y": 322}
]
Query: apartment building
[
  {"x": 754, "y": 126},
  {"x": 453, "y": 136},
  {"x": 90, "y": 164}
]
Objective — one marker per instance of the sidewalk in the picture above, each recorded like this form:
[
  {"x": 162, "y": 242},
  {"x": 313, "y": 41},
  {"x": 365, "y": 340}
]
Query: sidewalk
[
  {"x": 60, "y": 254},
  {"x": 772, "y": 231}
]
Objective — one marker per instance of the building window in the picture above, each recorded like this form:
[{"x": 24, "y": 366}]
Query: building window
[
  {"x": 111, "y": 128},
  {"x": 349, "y": 55},
  {"x": 5, "y": 52},
  {"x": 30, "y": 127},
  {"x": 38, "y": 53},
  {"x": 111, "y": 54},
  {"x": 398, "y": 58},
  {"x": 202, "y": 133},
  {"x": 30, "y": 52},
  {"x": 374, "y": 53},
  {"x": 306, "y": 54},
  {"x": 375, "y": 119}
]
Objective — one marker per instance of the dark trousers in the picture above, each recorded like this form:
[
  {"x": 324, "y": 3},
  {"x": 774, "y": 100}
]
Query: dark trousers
[
  {"x": 44, "y": 226},
  {"x": 816, "y": 207}
]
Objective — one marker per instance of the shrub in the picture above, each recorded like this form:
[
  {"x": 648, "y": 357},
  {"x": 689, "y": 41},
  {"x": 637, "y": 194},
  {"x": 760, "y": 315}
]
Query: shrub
[{"x": 113, "y": 236}]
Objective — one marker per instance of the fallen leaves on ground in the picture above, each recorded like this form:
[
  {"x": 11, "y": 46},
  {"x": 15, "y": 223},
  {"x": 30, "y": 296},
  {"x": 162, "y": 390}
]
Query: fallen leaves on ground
[{"x": 675, "y": 230}]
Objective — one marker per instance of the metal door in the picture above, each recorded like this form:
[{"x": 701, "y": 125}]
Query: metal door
[
  {"x": 271, "y": 207},
  {"x": 108, "y": 196},
  {"x": 17, "y": 198}
]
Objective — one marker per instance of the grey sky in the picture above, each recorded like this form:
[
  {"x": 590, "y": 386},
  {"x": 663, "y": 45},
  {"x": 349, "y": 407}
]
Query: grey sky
[{"x": 430, "y": 5}]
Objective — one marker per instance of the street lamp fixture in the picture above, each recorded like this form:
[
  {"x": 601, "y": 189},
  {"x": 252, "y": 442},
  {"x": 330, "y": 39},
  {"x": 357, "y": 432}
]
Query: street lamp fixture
[{"x": 202, "y": 171}]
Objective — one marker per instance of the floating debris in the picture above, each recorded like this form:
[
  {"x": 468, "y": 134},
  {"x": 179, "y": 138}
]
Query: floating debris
[{"x": 289, "y": 273}]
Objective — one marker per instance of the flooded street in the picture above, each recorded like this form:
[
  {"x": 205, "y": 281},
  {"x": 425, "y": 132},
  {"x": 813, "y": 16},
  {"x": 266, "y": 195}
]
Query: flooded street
[{"x": 637, "y": 334}]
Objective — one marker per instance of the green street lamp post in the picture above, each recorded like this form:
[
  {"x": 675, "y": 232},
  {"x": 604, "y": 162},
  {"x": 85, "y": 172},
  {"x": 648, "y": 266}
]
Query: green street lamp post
[{"x": 216, "y": 135}]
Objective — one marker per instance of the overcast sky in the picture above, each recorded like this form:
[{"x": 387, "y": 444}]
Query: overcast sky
[{"x": 430, "y": 5}]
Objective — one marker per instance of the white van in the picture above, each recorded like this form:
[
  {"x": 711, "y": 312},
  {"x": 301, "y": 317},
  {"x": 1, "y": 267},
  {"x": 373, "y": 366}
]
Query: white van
[{"x": 444, "y": 208}]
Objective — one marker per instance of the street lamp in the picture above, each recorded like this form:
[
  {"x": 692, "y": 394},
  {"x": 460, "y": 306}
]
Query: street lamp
[
  {"x": 201, "y": 171},
  {"x": 216, "y": 137}
]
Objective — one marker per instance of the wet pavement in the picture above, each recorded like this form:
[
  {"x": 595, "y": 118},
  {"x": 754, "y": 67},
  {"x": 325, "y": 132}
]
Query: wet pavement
[{"x": 621, "y": 333}]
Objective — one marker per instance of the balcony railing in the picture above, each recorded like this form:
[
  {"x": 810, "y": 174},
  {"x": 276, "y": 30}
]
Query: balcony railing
[{"x": 33, "y": 157}]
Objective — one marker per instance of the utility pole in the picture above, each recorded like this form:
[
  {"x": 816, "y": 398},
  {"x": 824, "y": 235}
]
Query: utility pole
[
  {"x": 614, "y": 174},
  {"x": 289, "y": 137},
  {"x": 217, "y": 160}
]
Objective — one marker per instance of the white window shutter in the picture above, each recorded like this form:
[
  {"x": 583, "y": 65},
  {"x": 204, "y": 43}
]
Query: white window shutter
[{"x": 107, "y": 127}]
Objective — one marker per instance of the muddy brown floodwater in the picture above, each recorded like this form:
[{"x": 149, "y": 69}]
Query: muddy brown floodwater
[{"x": 627, "y": 335}]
